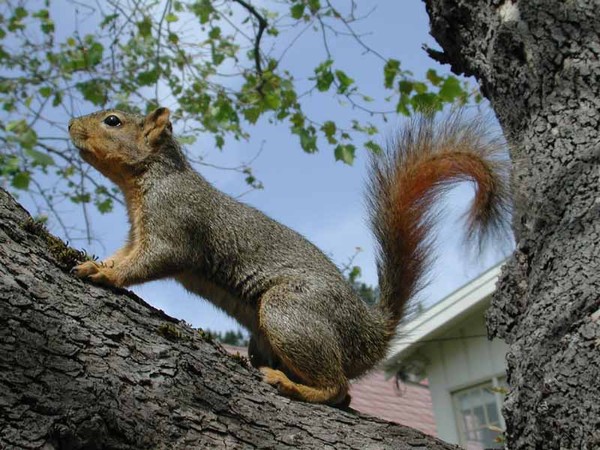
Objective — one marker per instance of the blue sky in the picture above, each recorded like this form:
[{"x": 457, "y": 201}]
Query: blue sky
[{"x": 313, "y": 194}]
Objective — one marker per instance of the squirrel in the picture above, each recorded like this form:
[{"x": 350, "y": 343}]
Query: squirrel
[{"x": 310, "y": 331}]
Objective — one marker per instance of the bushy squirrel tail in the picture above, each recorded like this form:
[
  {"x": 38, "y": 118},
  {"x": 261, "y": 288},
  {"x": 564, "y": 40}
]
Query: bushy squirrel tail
[{"x": 426, "y": 159}]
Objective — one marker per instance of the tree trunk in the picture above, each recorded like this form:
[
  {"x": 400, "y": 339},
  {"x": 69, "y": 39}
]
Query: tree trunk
[
  {"x": 538, "y": 62},
  {"x": 87, "y": 367}
]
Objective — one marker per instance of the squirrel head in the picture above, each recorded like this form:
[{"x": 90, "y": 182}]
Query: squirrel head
[{"x": 121, "y": 145}]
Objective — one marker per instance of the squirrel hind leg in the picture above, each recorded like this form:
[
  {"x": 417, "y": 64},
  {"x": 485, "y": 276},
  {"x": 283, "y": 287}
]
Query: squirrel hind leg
[
  {"x": 306, "y": 346},
  {"x": 261, "y": 354},
  {"x": 334, "y": 395}
]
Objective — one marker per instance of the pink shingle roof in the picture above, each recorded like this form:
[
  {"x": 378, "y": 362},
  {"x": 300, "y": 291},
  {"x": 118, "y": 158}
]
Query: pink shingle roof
[{"x": 407, "y": 404}]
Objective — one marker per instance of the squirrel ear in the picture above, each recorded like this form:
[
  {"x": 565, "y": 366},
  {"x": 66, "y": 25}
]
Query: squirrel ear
[{"x": 156, "y": 124}]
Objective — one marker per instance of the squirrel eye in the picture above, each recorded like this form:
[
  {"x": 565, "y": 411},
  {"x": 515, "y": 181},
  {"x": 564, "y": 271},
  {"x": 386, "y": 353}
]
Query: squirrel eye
[{"x": 112, "y": 121}]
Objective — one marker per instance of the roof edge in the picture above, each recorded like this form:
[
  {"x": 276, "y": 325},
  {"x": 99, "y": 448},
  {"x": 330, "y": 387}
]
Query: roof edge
[{"x": 447, "y": 310}]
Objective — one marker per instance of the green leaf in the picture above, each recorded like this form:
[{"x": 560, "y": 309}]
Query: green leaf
[
  {"x": 148, "y": 78},
  {"x": 354, "y": 274},
  {"x": 17, "y": 126},
  {"x": 41, "y": 14},
  {"x": 20, "y": 12},
  {"x": 214, "y": 33},
  {"x": 20, "y": 180},
  {"x": 46, "y": 24},
  {"x": 57, "y": 100},
  {"x": 272, "y": 100},
  {"x": 28, "y": 139},
  {"x": 104, "y": 206},
  {"x": 314, "y": 6},
  {"x": 84, "y": 197},
  {"x": 219, "y": 141},
  {"x": 186, "y": 140},
  {"x": 39, "y": 158},
  {"x": 426, "y": 102},
  {"x": 217, "y": 56},
  {"x": 297, "y": 119},
  {"x": 420, "y": 87},
  {"x": 145, "y": 27},
  {"x": 47, "y": 27},
  {"x": 344, "y": 81},
  {"x": 402, "y": 106},
  {"x": 203, "y": 10},
  {"x": 373, "y": 147},
  {"x": 390, "y": 70},
  {"x": 329, "y": 128},
  {"x": 108, "y": 19},
  {"x": 252, "y": 114},
  {"x": 324, "y": 76},
  {"x": 324, "y": 81},
  {"x": 223, "y": 111},
  {"x": 94, "y": 91},
  {"x": 451, "y": 89},
  {"x": 308, "y": 138},
  {"x": 94, "y": 53},
  {"x": 45, "y": 91},
  {"x": 433, "y": 77},
  {"x": 405, "y": 86},
  {"x": 170, "y": 18},
  {"x": 345, "y": 153},
  {"x": 9, "y": 165},
  {"x": 297, "y": 10}
]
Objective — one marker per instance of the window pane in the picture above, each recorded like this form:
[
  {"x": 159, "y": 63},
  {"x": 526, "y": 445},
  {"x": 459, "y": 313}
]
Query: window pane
[
  {"x": 477, "y": 410},
  {"x": 492, "y": 412},
  {"x": 479, "y": 416}
]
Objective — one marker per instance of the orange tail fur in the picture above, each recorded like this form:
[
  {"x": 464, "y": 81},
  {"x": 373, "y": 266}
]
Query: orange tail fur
[{"x": 425, "y": 160}]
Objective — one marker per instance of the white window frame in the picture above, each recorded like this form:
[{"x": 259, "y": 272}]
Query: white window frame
[{"x": 494, "y": 382}]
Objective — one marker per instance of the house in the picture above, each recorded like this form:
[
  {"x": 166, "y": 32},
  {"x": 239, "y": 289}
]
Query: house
[{"x": 466, "y": 372}]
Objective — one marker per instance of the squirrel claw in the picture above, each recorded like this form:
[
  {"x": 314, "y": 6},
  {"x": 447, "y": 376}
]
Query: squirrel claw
[{"x": 85, "y": 269}]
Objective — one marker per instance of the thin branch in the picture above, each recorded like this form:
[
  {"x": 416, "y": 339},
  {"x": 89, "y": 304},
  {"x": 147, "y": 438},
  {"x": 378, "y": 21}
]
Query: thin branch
[
  {"x": 158, "y": 46},
  {"x": 77, "y": 163},
  {"x": 262, "y": 25},
  {"x": 50, "y": 206},
  {"x": 88, "y": 231}
]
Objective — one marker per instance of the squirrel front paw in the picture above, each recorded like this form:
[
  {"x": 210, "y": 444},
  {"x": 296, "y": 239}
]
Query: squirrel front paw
[
  {"x": 98, "y": 273},
  {"x": 85, "y": 269}
]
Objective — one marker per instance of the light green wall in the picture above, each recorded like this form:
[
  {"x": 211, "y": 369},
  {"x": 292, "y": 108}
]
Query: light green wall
[{"x": 460, "y": 357}]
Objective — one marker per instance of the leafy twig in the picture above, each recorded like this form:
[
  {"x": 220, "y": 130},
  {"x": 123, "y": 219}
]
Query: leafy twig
[{"x": 262, "y": 25}]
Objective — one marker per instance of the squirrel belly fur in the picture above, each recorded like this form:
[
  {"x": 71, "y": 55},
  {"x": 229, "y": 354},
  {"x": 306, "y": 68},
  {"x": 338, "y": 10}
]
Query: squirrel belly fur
[{"x": 310, "y": 332}]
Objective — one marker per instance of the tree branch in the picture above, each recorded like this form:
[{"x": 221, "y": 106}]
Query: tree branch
[
  {"x": 262, "y": 25},
  {"x": 86, "y": 367}
]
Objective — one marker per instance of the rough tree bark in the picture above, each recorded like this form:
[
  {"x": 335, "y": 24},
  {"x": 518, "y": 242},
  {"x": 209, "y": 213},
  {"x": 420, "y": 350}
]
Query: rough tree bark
[
  {"x": 87, "y": 367},
  {"x": 538, "y": 62}
]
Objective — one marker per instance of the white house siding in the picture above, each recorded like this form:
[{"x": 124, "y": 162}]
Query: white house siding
[{"x": 456, "y": 359}]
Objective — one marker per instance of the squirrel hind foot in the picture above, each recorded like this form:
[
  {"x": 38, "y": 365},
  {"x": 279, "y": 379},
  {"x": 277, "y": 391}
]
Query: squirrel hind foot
[{"x": 331, "y": 395}]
